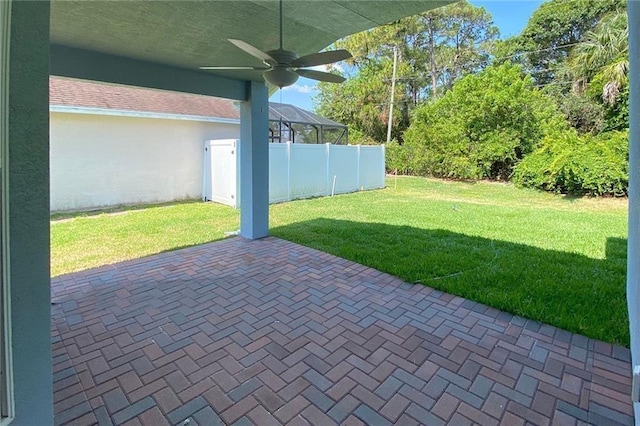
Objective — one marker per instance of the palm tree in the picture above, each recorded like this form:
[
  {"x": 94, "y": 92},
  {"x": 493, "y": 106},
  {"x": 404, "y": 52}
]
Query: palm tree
[{"x": 603, "y": 57}]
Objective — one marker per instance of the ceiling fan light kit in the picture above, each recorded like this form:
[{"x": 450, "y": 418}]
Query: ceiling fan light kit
[
  {"x": 280, "y": 76},
  {"x": 283, "y": 67}
]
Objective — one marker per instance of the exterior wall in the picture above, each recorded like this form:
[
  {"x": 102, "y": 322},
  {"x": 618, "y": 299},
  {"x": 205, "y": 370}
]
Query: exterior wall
[
  {"x": 99, "y": 160},
  {"x": 26, "y": 194}
]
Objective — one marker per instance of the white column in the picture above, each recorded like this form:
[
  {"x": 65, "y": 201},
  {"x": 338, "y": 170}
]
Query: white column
[
  {"x": 633, "y": 251},
  {"x": 254, "y": 162}
]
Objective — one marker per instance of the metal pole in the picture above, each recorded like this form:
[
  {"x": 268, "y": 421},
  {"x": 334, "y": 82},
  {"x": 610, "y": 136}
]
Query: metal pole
[{"x": 393, "y": 92}]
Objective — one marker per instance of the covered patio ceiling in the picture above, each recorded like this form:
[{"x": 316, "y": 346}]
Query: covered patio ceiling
[
  {"x": 161, "y": 45},
  {"x": 189, "y": 34}
]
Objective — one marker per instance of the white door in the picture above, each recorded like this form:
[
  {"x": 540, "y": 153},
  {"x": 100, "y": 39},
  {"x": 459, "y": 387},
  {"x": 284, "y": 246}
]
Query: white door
[{"x": 220, "y": 179}]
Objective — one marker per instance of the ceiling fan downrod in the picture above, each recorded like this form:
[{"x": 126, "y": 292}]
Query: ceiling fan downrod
[{"x": 282, "y": 67}]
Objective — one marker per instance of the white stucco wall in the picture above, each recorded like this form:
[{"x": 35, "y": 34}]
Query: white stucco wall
[{"x": 99, "y": 160}]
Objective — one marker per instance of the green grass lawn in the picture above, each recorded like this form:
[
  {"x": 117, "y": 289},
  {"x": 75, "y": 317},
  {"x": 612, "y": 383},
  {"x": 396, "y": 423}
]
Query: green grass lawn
[
  {"x": 85, "y": 240},
  {"x": 555, "y": 259}
]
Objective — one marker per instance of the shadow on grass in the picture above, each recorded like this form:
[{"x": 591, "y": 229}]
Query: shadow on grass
[
  {"x": 571, "y": 291},
  {"x": 123, "y": 208},
  {"x": 574, "y": 198}
]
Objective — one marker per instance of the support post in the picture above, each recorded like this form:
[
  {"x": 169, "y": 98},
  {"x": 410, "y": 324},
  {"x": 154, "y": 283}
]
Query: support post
[
  {"x": 25, "y": 208},
  {"x": 633, "y": 250},
  {"x": 254, "y": 162}
]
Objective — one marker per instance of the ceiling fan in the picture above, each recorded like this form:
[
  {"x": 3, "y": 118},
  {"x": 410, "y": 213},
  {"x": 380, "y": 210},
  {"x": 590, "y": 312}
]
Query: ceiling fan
[{"x": 283, "y": 67}]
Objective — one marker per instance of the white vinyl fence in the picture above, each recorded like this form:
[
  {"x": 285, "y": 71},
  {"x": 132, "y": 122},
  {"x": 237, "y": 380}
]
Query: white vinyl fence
[{"x": 298, "y": 171}]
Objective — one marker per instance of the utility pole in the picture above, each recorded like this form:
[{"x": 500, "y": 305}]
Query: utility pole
[
  {"x": 432, "y": 56},
  {"x": 393, "y": 92}
]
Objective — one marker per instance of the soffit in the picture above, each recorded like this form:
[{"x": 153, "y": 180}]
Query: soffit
[{"x": 188, "y": 34}]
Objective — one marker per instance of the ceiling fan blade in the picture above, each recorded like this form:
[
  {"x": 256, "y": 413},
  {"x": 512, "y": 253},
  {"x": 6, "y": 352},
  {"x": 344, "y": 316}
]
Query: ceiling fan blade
[
  {"x": 321, "y": 58},
  {"x": 253, "y": 51},
  {"x": 235, "y": 68},
  {"x": 320, "y": 76}
]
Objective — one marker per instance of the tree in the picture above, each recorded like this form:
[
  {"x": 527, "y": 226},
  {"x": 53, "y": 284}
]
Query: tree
[
  {"x": 599, "y": 66},
  {"x": 467, "y": 34},
  {"x": 435, "y": 49},
  {"x": 583, "y": 113},
  {"x": 603, "y": 55},
  {"x": 553, "y": 29},
  {"x": 362, "y": 102},
  {"x": 481, "y": 128}
]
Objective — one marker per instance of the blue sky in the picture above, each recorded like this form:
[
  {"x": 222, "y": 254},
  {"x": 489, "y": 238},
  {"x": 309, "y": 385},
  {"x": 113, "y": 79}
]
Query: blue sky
[{"x": 510, "y": 16}]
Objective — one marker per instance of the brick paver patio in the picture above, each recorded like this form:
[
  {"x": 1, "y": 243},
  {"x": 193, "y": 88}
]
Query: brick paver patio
[{"x": 269, "y": 332}]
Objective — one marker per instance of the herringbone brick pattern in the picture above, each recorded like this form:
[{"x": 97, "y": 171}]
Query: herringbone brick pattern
[{"x": 269, "y": 332}]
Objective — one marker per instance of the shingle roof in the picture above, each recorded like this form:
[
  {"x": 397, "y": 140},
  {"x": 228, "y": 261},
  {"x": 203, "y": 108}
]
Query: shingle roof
[
  {"x": 70, "y": 92},
  {"x": 87, "y": 94}
]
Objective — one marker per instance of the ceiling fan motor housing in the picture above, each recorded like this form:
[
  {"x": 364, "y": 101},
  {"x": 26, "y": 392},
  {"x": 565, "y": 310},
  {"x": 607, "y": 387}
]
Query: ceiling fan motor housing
[
  {"x": 283, "y": 57},
  {"x": 281, "y": 74}
]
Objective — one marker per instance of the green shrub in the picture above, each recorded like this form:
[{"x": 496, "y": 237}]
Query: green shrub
[
  {"x": 481, "y": 128},
  {"x": 357, "y": 137},
  {"x": 396, "y": 159},
  {"x": 573, "y": 164}
]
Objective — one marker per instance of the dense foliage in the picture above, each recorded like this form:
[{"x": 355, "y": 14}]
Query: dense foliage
[
  {"x": 586, "y": 165},
  {"x": 434, "y": 50},
  {"x": 479, "y": 129},
  {"x": 552, "y": 32},
  {"x": 599, "y": 68},
  {"x": 557, "y": 120}
]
